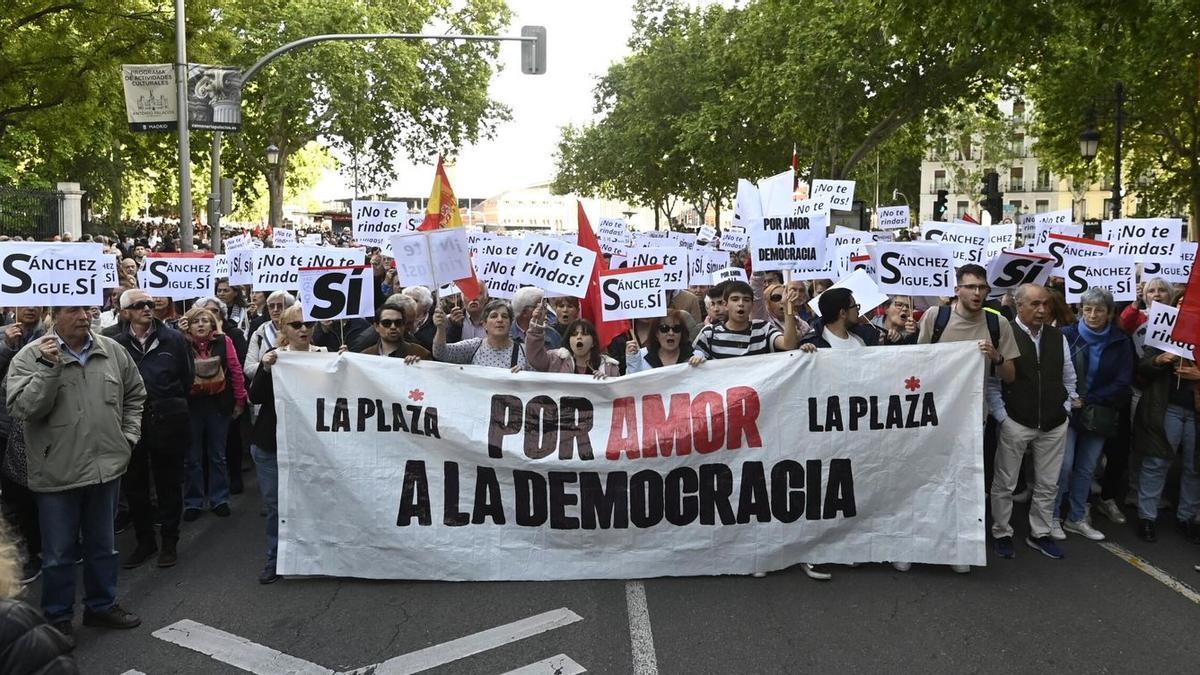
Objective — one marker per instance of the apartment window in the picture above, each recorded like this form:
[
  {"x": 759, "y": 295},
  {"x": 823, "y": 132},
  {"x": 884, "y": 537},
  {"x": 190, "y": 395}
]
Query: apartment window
[
  {"x": 939, "y": 180},
  {"x": 1015, "y": 205},
  {"x": 1041, "y": 206},
  {"x": 1043, "y": 179},
  {"x": 1016, "y": 179},
  {"x": 1018, "y": 145},
  {"x": 962, "y": 208},
  {"x": 1019, "y": 109}
]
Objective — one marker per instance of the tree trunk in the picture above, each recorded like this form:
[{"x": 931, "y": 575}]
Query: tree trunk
[{"x": 116, "y": 185}]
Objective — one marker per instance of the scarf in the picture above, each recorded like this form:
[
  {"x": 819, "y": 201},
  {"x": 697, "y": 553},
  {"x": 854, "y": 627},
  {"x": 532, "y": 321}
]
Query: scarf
[{"x": 1095, "y": 342}]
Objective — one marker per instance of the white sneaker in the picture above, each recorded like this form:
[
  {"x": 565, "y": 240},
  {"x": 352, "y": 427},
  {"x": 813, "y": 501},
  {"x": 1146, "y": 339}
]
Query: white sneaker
[
  {"x": 1111, "y": 511},
  {"x": 1056, "y": 530},
  {"x": 961, "y": 569},
  {"x": 902, "y": 566},
  {"x": 814, "y": 573},
  {"x": 759, "y": 575},
  {"x": 1022, "y": 497},
  {"x": 1083, "y": 528}
]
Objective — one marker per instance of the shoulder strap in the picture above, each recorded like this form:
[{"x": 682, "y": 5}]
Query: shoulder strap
[
  {"x": 939, "y": 324},
  {"x": 516, "y": 352},
  {"x": 993, "y": 323}
]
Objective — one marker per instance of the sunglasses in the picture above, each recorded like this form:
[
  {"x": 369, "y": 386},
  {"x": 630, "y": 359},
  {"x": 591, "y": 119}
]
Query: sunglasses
[
  {"x": 275, "y": 306},
  {"x": 664, "y": 328},
  {"x": 143, "y": 304},
  {"x": 389, "y": 323},
  {"x": 297, "y": 325},
  {"x": 776, "y": 297}
]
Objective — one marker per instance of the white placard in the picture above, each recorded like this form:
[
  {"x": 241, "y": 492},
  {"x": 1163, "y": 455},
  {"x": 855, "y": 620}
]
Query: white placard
[
  {"x": 477, "y": 238},
  {"x": 730, "y": 274},
  {"x": 792, "y": 240},
  {"x": 633, "y": 293},
  {"x": 374, "y": 222},
  {"x": 893, "y": 217},
  {"x": 63, "y": 274},
  {"x": 497, "y": 273},
  {"x": 683, "y": 239},
  {"x": 235, "y": 242},
  {"x": 501, "y": 246},
  {"x": 1144, "y": 239},
  {"x": 1177, "y": 272},
  {"x": 281, "y": 237},
  {"x": 555, "y": 266},
  {"x": 1011, "y": 269},
  {"x": 179, "y": 276},
  {"x": 332, "y": 293},
  {"x": 109, "y": 278},
  {"x": 840, "y": 193},
  {"x": 651, "y": 239},
  {"x": 613, "y": 235},
  {"x": 241, "y": 266},
  {"x": 312, "y": 239},
  {"x": 1115, "y": 273},
  {"x": 220, "y": 267},
  {"x": 747, "y": 206},
  {"x": 1060, "y": 217},
  {"x": 733, "y": 240},
  {"x": 1159, "y": 324},
  {"x": 1042, "y": 232},
  {"x": 1062, "y": 246},
  {"x": 1028, "y": 224},
  {"x": 906, "y": 268},
  {"x": 967, "y": 242},
  {"x": 775, "y": 195},
  {"x": 707, "y": 233},
  {"x": 866, "y": 292},
  {"x": 1000, "y": 237},
  {"x": 432, "y": 258},
  {"x": 702, "y": 263},
  {"x": 673, "y": 260},
  {"x": 277, "y": 269}
]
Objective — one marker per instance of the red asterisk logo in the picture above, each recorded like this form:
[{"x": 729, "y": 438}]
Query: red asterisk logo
[
  {"x": 913, "y": 383},
  {"x": 416, "y": 395}
]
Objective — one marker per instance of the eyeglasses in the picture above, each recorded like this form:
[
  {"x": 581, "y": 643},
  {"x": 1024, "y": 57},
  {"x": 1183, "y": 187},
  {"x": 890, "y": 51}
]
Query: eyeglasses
[
  {"x": 273, "y": 305},
  {"x": 140, "y": 305},
  {"x": 665, "y": 328},
  {"x": 297, "y": 325},
  {"x": 389, "y": 323},
  {"x": 854, "y": 307},
  {"x": 776, "y": 297},
  {"x": 976, "y": 288}
]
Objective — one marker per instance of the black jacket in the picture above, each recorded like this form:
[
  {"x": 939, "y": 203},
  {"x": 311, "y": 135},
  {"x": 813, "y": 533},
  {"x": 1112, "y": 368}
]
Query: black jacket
[
  {"x": 868, "y": 334},
  {"x": 166, "y": 365},
  {"x": 331, "y": 338},
  {"x": 28, "y": 645},
  {"x": 262, "y": 392}
]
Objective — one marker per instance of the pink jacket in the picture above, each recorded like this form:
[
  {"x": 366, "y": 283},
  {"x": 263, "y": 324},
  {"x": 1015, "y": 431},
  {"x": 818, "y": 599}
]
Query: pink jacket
[{"x": 558, "y": 360}]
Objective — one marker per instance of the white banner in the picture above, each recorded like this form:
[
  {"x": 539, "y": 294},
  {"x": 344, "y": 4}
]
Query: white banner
[
  {"x": 1115, "y": 273},
  {"x": 1177, "y": 272},
  {"x": 179, "y": 276},
  {"x": 332, "y": 293},
  {"x": 914, "y": 268},
  {"x": 555, "y": 266},
  {"x": 277, "y": 269},
  {"x": 967, "y": 242},
  {"x": 1012, "y": 269},
  {"x": 373, "y": 222},
  {"x": 36, "y": 274},
  {"x": 150, "y": 96},
  {"x": 1159, "y": 324},
  {"x": 673, "y": 260},
  {"x": 893, "y": 217},
  {"x": 633, "y": 293},
  {"x": 737, "y": 466}
]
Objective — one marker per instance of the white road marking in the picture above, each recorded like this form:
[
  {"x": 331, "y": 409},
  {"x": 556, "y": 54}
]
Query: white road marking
[
  {"x": 236, "y": 651},
  {"x": 133, "y": 672},
  {"x": 438, "y": 655},
  {"x": 1166, "y": 579},
  {"x": 560, "y": 664},
  {"x": 641, "y": 638}
]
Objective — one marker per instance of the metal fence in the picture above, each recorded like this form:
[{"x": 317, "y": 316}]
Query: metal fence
[{"x": 28, "y": 213}]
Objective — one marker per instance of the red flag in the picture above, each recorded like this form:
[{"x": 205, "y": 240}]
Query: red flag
[
  {"x": 442, "y": 212},
  {"x": 591, "y": 307},
  {"x": 795, "y": 169},
  {"x": 1187, "y": 324},
  {"x": 970, "y": 219}
]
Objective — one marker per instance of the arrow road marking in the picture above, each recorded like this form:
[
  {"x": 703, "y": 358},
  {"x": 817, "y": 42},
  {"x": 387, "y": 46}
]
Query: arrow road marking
[{"x": 260, "y": 660}]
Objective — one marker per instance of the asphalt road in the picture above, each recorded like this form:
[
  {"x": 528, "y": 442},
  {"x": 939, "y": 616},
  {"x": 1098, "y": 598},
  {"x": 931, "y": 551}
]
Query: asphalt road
[{"x": 1092, "y": 612}]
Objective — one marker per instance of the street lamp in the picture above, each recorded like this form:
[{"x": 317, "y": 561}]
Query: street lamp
[
  {"x": 273, "y": 162},
  {"x": 1089, "y": 143},
  {"x": 273, "y": 155}
]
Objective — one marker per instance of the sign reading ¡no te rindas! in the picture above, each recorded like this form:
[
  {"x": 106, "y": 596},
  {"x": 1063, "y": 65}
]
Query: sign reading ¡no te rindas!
[
  {"x": 179, "y": 276},
  {"x": 34, "y": 274},
  {"x": 633, "y": 293},
  {"x": 1160, "y": 321},
  {"x": 737, "y": 466},
  {"x": 278, "y": 269}
]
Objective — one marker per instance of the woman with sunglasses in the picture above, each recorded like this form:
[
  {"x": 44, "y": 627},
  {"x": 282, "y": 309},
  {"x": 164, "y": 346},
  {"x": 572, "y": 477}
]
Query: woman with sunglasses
[
  {"x": 497, "y": 349},
  {"x": 581, "y": 355},
  {"x": 666, "y": 346},
  {"x": 217, "y": 397},
  {"x": 266, "y": 337},
  {"x": 295, "y": 336},
  {"x": 774, "y": 297}
]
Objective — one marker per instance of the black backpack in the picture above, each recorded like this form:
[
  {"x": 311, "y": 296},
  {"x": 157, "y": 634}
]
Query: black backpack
[
  {"x": 943, "y": 318},
  {"x": 516, "y": 352}
]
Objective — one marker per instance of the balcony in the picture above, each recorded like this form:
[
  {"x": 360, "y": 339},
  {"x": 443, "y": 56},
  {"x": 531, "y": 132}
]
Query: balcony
[
  {"x": 1042, "y": 187},
  {"x": 1015, "y": 185},
  {"x": 939, "y": 185}
]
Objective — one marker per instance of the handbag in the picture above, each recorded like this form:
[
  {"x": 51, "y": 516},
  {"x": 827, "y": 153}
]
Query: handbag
[{"x": 1099, "y": 419}]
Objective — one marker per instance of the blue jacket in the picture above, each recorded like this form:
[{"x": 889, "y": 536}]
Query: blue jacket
[
  {"x": 869, "y": 335},
  {"x": 165, "y": 365},
  {"x": 1115, "y": 374}
]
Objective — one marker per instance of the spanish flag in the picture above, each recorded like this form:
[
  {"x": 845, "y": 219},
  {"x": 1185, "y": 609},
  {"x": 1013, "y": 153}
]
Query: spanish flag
[{"x": 442, "y": 212}]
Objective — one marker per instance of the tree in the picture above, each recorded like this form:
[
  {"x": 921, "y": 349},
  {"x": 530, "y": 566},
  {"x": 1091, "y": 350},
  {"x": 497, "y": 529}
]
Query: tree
[{"x": 972, "y": 140}]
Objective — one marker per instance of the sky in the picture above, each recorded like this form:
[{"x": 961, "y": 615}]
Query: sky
[{"x": 583, "y": 38}]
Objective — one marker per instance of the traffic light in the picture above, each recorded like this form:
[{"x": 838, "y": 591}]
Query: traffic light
[
  {"x": 992, "y": 196},
  {"x": 941, "y": 205}
]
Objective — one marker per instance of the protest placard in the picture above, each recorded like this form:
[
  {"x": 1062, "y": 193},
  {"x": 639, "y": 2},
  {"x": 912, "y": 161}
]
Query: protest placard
[
  {"x": 1012, "y": 269},
  {"x": 555, "y": 266},
  {"x": 633, "y": 293},
  {"x": 673, "y": 260},
  {"x": 432, "y": 258},
  {"x": 866, "y": 292},
  {"x": 1000, "y": 237},
  {"x": 685, "y": 240},
  {"x": 1042, "y": 232},
  {"x": 702, "y": 263},
  {"x": 775, "y": 194},
  {"x": 1160, "y": 322},
  {"x": 241, "y": 266},
  {"x": 1028, "y": 225},
  {"x": 1114, "y": 273},
  {"x": 374, "y": 222},
  {"x": 651, "y": 239},
  {"x": 477, "y": 238},
  {"x": 840, "y": 193},
  {"x": 1177, "y": 272},
  {"x": 109, "y": 278},
  {"x": 734, "y": 239},
  {"x": 66, "y": 274},
  {"x": 1060, "y": 217},
  {"x": 312, "y": 239},
  {"x": 1062, "y": 246},
  {"x": 220, "y": 267},
  {"x": 729, "y": 274},
  {"x": 747, "y": 206},
  {"x": 279, "y": 269},
  {"x": 914, "y": 268},
  {"x": 502, "y": 246},
  {"x": 281, "y": 237},
  {"x": 706, "y": 234},
  {"x": 332, "y": 293},
  {"x": 179, "y": 276},
  {"x": 613, "y": 235},
  {"x": 1144, "y": 239},
  {"x": 893, "y": 217},
  {"x": 967, "y": 242},
  {"x": 236, "y": 242},
  {"x": 497, "y": 274},
  {"x": 843, "y": 258},
  {"x": 791, "y": 240}
]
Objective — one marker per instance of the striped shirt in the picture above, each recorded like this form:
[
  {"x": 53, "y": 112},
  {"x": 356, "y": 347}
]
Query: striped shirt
[{"x": 718, "y": 342}]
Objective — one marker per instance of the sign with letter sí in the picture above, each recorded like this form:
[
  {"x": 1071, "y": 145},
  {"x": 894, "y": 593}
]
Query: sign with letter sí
[
  {"x": 179, "y": 276},
  {"x": 332, "y": 293},
  {"x": 36, "y": 274}
]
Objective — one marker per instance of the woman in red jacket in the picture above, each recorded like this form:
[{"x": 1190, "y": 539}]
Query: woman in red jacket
[{"x": 1154, "y": 290}]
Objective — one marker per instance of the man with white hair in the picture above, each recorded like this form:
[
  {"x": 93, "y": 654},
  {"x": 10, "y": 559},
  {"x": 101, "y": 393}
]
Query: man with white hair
[
  {"x": 524, "y": 301},
  {"x": 421, "y": 330}
]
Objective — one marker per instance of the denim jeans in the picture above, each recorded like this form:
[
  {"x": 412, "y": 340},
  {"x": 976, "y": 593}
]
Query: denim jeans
[
  {"x": 64, "y": 517},
  {"x": 1180, "y": 427},
  {"x": 267, "y": 468},
  {"x": 1078, "y": 468},
  {"x": 210, "y": 428}
]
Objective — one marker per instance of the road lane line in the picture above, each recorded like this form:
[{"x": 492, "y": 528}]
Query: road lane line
[
  {"x": 559, "y": 664},
  {"x": 641, "y": 638},
  {"x": 438, "y": 655},
  {"x": 1166, "y": 579},
  {"x": 236, "y": 651}
]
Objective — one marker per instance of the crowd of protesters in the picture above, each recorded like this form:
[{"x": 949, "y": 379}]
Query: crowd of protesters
[{"x": 147, "y": 412}]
